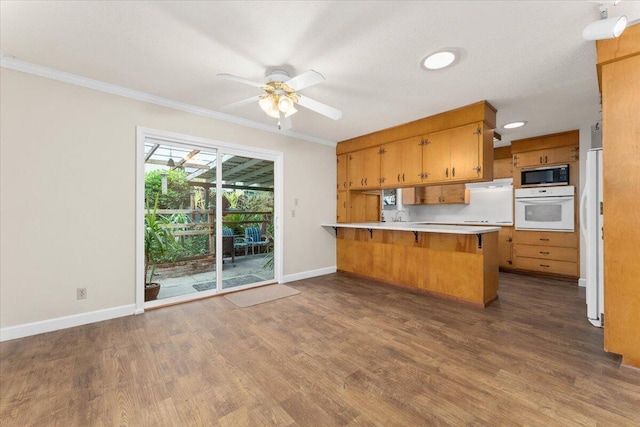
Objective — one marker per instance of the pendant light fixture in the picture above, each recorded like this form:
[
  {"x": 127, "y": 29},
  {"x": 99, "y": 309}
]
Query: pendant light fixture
[{"x": 170, "y": 162}]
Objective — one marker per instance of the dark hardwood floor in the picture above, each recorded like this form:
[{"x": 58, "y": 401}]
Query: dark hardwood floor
[{"x": 344, "y": 351}]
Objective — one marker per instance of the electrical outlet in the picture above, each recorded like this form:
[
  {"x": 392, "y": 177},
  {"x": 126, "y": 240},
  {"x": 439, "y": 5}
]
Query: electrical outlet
[
  {"x": 295, "y": 202},
  {"x": 81, "y": 293}
]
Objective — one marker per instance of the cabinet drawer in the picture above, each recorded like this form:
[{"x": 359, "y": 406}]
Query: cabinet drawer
[
  {"x": 546, "y": 238},
  {"x": 564, "y": 268},
  {"x": 547, "y": 252}
]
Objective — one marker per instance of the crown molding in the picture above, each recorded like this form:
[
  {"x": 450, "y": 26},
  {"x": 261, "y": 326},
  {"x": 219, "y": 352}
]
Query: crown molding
[{"x": 62, "y": 76}]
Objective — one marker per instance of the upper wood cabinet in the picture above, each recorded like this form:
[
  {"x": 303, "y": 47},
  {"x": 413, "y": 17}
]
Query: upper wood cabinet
[
  {"x": 456, "y": 155},
  {"x": 547, "y": 156},
  {"x": 364, "y": 168},
  {"x": 502, "y": 163},
  {"x": 401, "y": 163},
  {"x": 436, "y": 195},
  {"x": 342, "y": 176}
]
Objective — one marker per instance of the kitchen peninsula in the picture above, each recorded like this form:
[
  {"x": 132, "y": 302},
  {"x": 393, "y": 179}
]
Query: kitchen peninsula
[{"x": 456, "y": 262}]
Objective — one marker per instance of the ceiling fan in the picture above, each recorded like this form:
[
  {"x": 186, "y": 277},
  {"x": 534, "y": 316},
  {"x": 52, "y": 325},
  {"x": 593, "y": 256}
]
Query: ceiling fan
[{"x": 281, "y": 95}]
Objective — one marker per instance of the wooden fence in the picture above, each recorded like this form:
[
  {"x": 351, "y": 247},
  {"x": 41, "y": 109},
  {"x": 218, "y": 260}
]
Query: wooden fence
[{"x": 203, "y": 222}]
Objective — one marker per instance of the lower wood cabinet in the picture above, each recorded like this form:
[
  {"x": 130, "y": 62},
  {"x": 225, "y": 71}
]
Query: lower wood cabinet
[
  {"x": 546, "y": 252},
  {"x": 505, "y": 247}
]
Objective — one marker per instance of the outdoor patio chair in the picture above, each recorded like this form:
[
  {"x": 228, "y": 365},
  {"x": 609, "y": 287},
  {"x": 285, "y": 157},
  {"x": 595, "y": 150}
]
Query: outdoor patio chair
[
  {"x": 238, "y": 242},
  {"x": 255, "y": 239}
]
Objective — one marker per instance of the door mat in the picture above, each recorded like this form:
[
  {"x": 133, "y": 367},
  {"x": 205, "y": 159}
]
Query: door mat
[
  {"x": 229, "y": 283},
  {"x": 259, "y": 295}
]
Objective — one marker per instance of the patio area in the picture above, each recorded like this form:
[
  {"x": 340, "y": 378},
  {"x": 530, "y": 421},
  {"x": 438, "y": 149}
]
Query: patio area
[{"x": 248, "y": 269}]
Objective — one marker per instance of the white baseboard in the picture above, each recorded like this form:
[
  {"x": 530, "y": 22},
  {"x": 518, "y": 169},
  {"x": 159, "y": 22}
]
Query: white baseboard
[
  {"x": 35, "y": 328},
  {"x": 308, "y": 274},
  {"x": 582, "y": 283}
]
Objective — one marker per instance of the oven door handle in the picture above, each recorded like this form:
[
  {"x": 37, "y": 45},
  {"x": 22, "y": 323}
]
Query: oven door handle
[{"x": 547, "y": 201}]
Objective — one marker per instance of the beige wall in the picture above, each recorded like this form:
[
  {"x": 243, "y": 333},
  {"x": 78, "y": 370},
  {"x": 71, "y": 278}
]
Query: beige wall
[{"x": 67, "y": 194}]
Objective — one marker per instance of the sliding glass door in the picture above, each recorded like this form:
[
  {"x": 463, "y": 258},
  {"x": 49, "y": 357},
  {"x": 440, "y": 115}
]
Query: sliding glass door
[{"x": 208, "y": 219}]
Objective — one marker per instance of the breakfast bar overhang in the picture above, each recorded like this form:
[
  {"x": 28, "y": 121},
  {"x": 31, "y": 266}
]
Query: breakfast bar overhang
[{"x": 455, "y": 262}]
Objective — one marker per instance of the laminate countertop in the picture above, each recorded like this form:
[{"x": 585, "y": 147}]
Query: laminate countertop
[{"x": 416, "y": 226}]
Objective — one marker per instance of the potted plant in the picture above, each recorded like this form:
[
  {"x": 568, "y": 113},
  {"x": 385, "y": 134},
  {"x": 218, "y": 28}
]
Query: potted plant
[{"x": 158, "y": 241}]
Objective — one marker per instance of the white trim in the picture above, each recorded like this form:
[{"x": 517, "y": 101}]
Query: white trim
[
  {"x": 35, "y": 328},
  {"x": 61, "y": 76},
  {"x": 308, "y": 274},
  {"x": 582, "y": 283}
]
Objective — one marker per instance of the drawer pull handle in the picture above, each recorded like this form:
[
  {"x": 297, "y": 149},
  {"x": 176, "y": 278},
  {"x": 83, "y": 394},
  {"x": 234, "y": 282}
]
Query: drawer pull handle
[
  {"x": 544, "y": 265},
  {"x": 544, "y": 253},
  {"x": 544, "y": 240}
]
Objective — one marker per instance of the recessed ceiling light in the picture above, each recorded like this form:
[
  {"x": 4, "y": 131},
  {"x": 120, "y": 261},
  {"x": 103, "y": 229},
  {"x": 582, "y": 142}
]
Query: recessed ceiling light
[
  {"x": 514, "y": 125},
  {"x": 440, "y": 59}
]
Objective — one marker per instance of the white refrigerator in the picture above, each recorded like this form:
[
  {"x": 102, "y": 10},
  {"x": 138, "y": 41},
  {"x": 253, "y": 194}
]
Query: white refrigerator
[{"x": 591, "y": 226}]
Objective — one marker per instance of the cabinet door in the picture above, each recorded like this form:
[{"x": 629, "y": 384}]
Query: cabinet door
[
  {"x": 502, "y": 168},
  {"x": 465, "y": 152},
  {"x": 505, "y": 247},
  {"x": 364, "y": 168},
  {"x": 436, "y": 157},
  {"x": 431, "y": 195},
  {"x": 371, "y": 167},
  {"x": 342, "y": 177},
  {"x": 356, "y": 169},
  {"x": 341, "y": 207},
  {"x": 453, "y": 194},
  {"x": 391, "y": 165},
  {"x": 529, "y": 158},
  {"x": 560, "y": 155},
  {"x": 411, "y": 171}
]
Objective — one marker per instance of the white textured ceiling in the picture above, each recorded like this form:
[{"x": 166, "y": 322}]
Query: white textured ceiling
[{"x": 527, "y": 58}]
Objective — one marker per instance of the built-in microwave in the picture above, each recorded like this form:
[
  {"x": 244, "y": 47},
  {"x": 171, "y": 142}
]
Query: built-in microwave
[{"x": 545, "y": 176}]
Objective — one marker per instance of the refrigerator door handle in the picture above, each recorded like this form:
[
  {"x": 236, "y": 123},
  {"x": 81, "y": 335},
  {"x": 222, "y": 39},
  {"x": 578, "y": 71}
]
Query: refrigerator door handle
[{"x": 583, "y": 212}]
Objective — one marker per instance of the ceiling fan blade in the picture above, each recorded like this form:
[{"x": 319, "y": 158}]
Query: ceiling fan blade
[
  {"x": 284, "y": 123},
  {"x": 319, "y": 107},
  {"x": 239, "y": 103},
  {"x": 304, "y": 80},
  {"x": 240, "y": 80}
]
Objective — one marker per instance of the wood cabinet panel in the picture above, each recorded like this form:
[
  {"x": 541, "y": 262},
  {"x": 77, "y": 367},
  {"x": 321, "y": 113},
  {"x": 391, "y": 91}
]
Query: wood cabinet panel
[
  {"x": 364, "y": 206},
  {"x": 401, "y": 163},
  {"x": 547, "y": 252},
  {"x": 342, "y": 181},
  {"x": 621, "y": 163},
  {"x": 436, "y": 157},
  {"x": 411, "y": 160},
  {"x": 505, "y": 246},
  {"x": 563, "y": 268},
  {"x": 548, "y": 238},
  {"x": 436, "y": 195},
  {"x": 465, "y": 152},
  {"x": 503, "y": 168},
  {"x": 341, "y": 207},
  {"x": 549, "y": 156},
  {"x": 391, "y": 165},
  {"x": 364, "y": 168}
]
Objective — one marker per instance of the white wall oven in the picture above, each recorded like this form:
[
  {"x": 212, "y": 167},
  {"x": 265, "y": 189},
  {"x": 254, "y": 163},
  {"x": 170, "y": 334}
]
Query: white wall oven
[{"x": 547, "y": 208}]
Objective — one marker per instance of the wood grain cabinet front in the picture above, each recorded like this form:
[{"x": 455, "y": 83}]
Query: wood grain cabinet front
[
  {"x": 457, "y": 155},
  {"x": 505, "y": 247},
  {"x": 401, "y": 163},
  {"x": 342, "y": 180},
  {"x": 549, "y": 156},
  {"x": 436, "y": 195},
  {"x": 546, "y": 252},
  {"x": 341, "y": 207},
  {"x": 364, "y": 168}
]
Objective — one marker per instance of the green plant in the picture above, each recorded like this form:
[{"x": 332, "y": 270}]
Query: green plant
[
  {"x": 232, "y": 197},
  {"x": 158, "y": 242},
  {"x": 178, "y": 190}
]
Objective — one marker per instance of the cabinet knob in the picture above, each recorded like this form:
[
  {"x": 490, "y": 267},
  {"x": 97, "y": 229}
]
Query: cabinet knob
[
  {"x": 398, "y": 177},
  {"x": 402, "y": 177},
  {"x": 446, "y": 173},
  {"x": 453, "y": 171}
]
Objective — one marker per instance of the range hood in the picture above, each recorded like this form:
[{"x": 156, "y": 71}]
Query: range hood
[{"x": 496, "y": 183}]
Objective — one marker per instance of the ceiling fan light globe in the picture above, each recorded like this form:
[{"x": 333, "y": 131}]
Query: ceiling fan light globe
[
  {"x": 285, "y": 104},
  {"x": 290, "y": 112}
]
